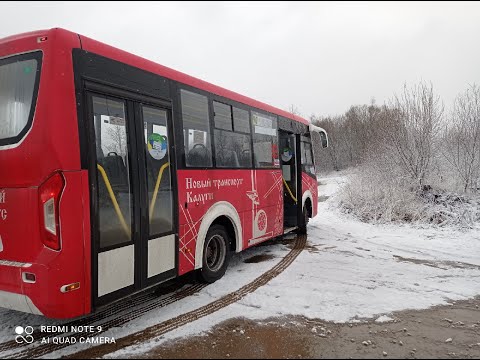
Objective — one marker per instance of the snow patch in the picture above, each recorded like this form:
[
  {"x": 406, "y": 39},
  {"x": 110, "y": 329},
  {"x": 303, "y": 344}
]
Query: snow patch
[{"x": 383, "y": 319}]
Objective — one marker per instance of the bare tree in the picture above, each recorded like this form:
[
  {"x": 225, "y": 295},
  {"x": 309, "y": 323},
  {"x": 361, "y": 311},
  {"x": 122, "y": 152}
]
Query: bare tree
[
  {"x": 462, "y": 138},
  {"x": 406, "y": 131},
  {"x": 331, "y": 157},
  {"x": 351, "y": 136},
  {"x": 410, "y": 127},
  {"x": 115, "y": 140},
  {"x": 293, "y": 109},
  {"x": 403, "y": 144}
]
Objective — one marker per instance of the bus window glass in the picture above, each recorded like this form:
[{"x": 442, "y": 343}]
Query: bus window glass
[
  {"x": 308, "y": 154},
  {"x": 232, "y": 150},
  {"x": 159, "y": 184},
  {"x": 265, "y": 141},
  {"x": 196, "y": 130},
  {"x": 302, "y": 152},
  {"x": 222, "y": 116},
  {"x": 17, "y": 81},
  {"x": 307, "y": 158},
  {"x": 241, "y": 122},
  {"x": 113, "y": 173}
]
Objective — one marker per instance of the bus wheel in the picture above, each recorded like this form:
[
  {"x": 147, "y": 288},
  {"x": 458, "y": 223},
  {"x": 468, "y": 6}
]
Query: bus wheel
[
  {"x": 302, "y": 229},
  {"x": 216, "y": 254}
]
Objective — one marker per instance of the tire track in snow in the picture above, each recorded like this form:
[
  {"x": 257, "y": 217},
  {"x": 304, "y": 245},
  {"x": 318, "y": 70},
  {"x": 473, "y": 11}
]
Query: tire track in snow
[
  {"x": 115, "y": 315},
  {"x": 181, "y": 320}
]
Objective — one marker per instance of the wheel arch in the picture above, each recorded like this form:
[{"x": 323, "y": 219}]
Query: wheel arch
[
  {"x": 307, "y": 200},
  {"x": 217, "y": 214}
]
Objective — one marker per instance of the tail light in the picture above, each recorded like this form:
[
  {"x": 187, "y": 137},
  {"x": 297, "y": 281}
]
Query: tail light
[{"x": 49, "y": 195}]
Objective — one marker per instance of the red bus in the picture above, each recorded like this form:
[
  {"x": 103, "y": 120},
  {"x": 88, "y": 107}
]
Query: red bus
[{"x": 118, "y": 174}]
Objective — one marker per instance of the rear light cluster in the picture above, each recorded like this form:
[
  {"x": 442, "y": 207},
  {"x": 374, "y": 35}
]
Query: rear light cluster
[{"x": 49, "y": 198}]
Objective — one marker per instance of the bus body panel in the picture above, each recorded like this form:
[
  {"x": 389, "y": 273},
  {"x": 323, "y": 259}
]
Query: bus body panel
[
  {"x": 23, "y": 246},
  {"x": 50, "y": 145},
  {"x": 256, "y": 195},
  {"x": 309, "y": 183},
  {"x": 20, "y": 227},
  {"x": 54, "y": 132}
]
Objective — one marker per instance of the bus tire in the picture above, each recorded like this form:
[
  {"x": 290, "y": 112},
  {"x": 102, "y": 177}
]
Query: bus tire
[
  {"x": 302, "y": 229},
  {"x": 216, "y": 254}
]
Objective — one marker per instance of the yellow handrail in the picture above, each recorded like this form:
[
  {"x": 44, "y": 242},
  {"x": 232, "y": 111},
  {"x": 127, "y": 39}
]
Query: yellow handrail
[
  {"x": 289, "y": 191},
  {"x": 157, "y": 185},
  {"x": 114, "y": 200}
]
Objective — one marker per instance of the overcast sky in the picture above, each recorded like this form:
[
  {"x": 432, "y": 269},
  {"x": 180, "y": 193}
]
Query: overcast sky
[{"x": 321, "y": 57}]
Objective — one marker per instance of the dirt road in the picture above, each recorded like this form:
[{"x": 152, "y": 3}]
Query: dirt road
[{"x": 451, "y": 331}]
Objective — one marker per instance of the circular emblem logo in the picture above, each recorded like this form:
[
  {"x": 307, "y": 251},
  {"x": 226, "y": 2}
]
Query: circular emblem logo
[
  {"x": 287, "y": 154},
  {"x": 157, "y": 146},
  {"x": 262, "y": 220}
]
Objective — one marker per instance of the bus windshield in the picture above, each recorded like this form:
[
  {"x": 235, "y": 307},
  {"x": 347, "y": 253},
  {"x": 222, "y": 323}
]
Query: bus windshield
[{"x": 18, "y": 79}]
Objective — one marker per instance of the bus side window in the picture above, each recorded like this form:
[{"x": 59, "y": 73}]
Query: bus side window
[
  {"x": 196, "y": 130},
  {"x": 265, "y": 141},
  {"x": 232, "y": 137},
  {"x": 307, "y": 157}
]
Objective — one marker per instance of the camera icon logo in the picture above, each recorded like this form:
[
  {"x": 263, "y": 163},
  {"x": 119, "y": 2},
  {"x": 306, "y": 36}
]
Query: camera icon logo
[{"x": 24, "y": 335}]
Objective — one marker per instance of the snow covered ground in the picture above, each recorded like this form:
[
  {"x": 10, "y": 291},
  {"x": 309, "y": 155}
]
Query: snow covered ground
[{"x": 351, "y": 270}]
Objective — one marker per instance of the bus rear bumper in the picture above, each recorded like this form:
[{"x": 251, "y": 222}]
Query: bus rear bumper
[
  {"x": 40, "y": 297},
  {"x": 11, "y": 290},
  {"x": 12, "y": 294},
  {"x": 18, "y": 302}
]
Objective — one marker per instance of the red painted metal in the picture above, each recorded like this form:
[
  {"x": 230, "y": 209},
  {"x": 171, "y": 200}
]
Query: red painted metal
[{"x": 52, "y": 144}]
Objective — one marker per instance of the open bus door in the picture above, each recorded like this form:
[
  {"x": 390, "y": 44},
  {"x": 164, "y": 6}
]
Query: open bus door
[{"x": 290, "y": 161}]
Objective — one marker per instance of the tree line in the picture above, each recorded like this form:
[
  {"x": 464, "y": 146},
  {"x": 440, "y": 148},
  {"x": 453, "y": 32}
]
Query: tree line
[{"x": 411, "y": 136}]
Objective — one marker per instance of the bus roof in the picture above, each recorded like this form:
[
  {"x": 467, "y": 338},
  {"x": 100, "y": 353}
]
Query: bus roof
[
  {"x": 99, "y": 48},
  {"x": 102, "y": 49}
]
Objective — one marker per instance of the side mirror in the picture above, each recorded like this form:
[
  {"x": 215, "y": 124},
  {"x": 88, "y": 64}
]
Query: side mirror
[{"x": 320, "y": 131}]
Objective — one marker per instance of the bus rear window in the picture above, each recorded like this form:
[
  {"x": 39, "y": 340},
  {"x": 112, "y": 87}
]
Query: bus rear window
[{"x": 19, "y": 76}]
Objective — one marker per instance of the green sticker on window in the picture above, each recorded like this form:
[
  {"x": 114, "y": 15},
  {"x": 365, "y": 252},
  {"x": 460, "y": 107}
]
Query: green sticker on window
[
  {"x": 157, "y": 146},
  {"x": 287, "y": 154}
]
